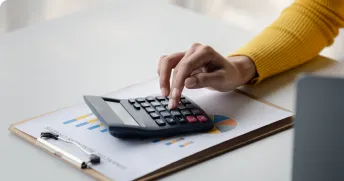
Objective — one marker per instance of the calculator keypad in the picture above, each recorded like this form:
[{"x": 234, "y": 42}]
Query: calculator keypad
[{"x": 156, "y": 107}]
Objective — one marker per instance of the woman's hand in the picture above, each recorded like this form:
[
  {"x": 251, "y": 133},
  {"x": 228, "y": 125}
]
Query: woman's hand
[{"x": 201, "y": 66}]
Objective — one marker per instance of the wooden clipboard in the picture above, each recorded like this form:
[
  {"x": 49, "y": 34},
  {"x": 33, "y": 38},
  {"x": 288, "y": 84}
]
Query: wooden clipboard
[{"x": 201, "y": 156}]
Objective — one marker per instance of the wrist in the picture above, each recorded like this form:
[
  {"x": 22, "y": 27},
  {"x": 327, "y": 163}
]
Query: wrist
[{"x": 245, "y": 67}]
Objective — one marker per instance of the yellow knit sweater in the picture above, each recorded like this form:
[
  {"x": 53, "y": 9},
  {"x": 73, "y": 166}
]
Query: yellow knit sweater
[{"x": 298, "y": 35}]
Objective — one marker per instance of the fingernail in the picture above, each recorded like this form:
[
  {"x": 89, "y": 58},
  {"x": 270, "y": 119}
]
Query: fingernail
[
  {"x": 175, "y": 93},
  {"x": 164, "y": 91},
  {"x": 190, "y": 82},
  {"x": 171, "y": 104}
]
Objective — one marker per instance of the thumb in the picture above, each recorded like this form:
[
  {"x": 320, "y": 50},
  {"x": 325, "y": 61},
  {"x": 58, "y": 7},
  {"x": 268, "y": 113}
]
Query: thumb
[{"x": 213, "y": 79}]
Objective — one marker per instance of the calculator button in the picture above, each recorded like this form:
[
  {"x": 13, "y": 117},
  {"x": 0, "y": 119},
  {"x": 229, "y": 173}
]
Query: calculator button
[
  {"x": 165, "y": 103},
  {"x": 202, "y": 118},
  {"x": 181, "y": 107},
  {"x": 175, "y": 113},
  {"x": 150, "y": 99},
  {"x": 191, "y": 119},
  {"x": 150, "y": 109},
  {"x": 185, "y": 101},
  {"x": 190, "y": 106},
  {"x": 160, "y": 98},
  {"x": 165, "y": 114},
  {"x": 186, "y": 112},
  {"x": 170, "y": 121},
  {"x": 160, "y": 108},
  {"x": 137, "y": 106},
  {"x": 154, "y": 115},
  {"x": 196, "y": 111},
  {"x": 139, "y": 100},
  {"x": 145, "y": 104},
  {"x": 180, "y": 119},
  {"x": 131, "y": 101},
  {"x": 155, "y": 103},
  {"x": 160, "y": 122}
]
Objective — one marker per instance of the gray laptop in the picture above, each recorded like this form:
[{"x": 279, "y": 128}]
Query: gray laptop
[{"x": 319, "y": 130}]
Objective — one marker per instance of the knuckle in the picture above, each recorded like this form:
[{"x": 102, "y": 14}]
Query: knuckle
[
  {"x": 195, "y": 45},
  {"x": 201, "y": 79},
  {"x": 222, "y": 76},
  {"x": 186, "y": 65},
  {"x": 168, "y": 60},
  {"x": 162, "y": 57},
  {"x": 207, "y": 49}
]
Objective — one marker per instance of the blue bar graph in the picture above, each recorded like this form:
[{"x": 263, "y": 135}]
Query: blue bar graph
[
  {"x": 81, "y": 124},
  {"x": 103, "y": 130},
  {"x": 94, "y": 127}
]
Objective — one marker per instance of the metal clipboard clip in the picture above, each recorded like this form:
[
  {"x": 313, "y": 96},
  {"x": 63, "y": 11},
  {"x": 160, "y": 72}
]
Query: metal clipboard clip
[{"x": 41, "y": 142}]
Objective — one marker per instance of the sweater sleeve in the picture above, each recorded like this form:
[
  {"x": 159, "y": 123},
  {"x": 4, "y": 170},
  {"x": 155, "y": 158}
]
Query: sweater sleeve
[{"x": 299, "y": 34}]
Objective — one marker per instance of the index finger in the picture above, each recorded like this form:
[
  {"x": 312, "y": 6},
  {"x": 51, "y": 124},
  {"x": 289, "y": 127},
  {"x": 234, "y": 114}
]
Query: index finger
[
  {"x": 187, "y": 65},
  {"x": 166, "y": 65}
]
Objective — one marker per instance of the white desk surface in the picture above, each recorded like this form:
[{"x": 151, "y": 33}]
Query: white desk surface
[{"x": 53, "y": 65}]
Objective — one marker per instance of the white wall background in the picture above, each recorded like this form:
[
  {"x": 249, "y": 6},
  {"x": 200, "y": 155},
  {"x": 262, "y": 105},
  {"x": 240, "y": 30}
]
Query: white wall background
[{"x": 252, "y": 15}]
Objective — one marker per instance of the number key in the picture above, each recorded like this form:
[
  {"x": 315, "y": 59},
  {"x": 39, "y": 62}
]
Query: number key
[
  {"x": 190, "y": 106},
  {"x": 160, "y": 122},
  {"x": 137, "y": 106},
  {"x": 155, "y": 103},
  {"x": 139, "y": 100},
  {"x": 164, "y": 103},
  {"x": 181, "y": 107},
  {"x": 186, "y": 112},
  {"x": 160, "y": 108},
  {"x": 160, "y": 98},
  {"x": 154, "y": 115},
  {"x": 196, "y": 111},
  {"x": 165, "y": 114},
  {"x": 131, "y": 101},
  {"x": 175, "y": 113},
  {"x": 185, "y": 101},
  {"x": 150, "y": 109},
  {"x": 145, "y": 104},
  {"x": 170, "y": 121},
  {"x": 150, "y": 98},
  {"x": 181, "y": 119}
]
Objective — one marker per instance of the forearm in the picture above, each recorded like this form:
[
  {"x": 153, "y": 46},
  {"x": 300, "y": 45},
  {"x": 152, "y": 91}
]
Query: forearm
[{"x": 298, "y": 35}]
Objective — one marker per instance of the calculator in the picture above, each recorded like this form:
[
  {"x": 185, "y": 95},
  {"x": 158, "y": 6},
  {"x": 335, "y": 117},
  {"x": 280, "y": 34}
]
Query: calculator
[{"x": 144, "y": 117}]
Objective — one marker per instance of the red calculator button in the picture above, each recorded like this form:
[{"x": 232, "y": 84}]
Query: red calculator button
[
  {"x": 191, "y": 119},
  {"x": 202, "y": 118}
]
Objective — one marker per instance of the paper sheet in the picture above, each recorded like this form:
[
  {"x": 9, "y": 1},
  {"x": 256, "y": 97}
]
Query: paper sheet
[{"x": 234, "y": 114}]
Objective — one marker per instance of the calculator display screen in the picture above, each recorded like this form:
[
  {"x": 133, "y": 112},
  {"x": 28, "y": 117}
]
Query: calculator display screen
[{"x": 122, "y": 114}]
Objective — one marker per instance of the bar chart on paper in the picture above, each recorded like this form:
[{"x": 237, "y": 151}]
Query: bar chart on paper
[{"x": 87, "y": 121}]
